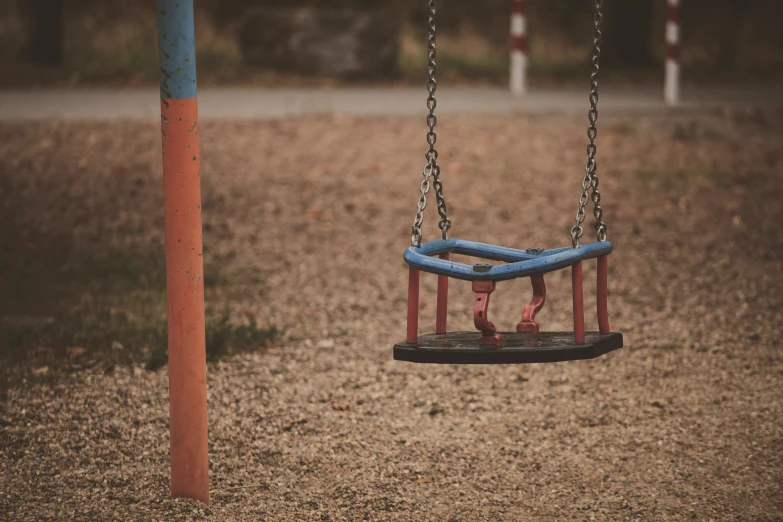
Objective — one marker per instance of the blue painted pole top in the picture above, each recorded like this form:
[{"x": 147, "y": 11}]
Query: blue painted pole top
[{"x": 176, "y": 49}]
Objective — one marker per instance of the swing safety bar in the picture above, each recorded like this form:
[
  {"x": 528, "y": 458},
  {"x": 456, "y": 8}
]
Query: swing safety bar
[{"x": 521, "y": 263}]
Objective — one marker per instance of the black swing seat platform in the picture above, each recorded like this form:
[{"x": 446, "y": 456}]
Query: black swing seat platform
[{"x": 516, "y": 348}]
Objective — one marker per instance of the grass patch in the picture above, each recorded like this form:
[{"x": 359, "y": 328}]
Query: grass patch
[
  {"x": 645, "y": 175},
  {"x": 683, "y": 132},
  {"x": 681, "y": 179},
  {"x": 223, "y": 338},
  {"x": 717, "y": 177},
  {"x": 77, "y": 341},
  {"x": 557, "y": 71},
  {"x": 67, "y": 307}
]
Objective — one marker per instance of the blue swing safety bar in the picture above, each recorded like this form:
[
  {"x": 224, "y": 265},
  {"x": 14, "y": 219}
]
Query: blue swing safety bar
[{"x": 521, "y": 263}]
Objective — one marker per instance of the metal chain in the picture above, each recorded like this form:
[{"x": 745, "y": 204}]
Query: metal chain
[
  {"x": 431, "y": 168},
  {"x": 590, "y": 181}
]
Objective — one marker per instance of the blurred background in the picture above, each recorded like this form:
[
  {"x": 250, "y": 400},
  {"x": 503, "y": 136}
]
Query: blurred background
[
  {"x": 308, "y": 197},
  {"x": 76, "y": 271},
  {"x": 274, "y": 42}
]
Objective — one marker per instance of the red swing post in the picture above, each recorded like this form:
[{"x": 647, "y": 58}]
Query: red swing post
[
  {"x": 443, "y": 301},
  {"x": 413, "y": 305},
  {"x": 602, "y": 294},
  {"x": 579, "y": 305}
]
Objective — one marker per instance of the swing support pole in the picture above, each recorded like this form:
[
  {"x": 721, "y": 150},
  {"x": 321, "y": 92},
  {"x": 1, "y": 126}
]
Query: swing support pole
[{"x": 184, "y": 261}]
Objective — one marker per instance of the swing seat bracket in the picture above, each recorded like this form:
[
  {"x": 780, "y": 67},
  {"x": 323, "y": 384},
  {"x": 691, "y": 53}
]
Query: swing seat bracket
[{"x": 490, "y": 338}]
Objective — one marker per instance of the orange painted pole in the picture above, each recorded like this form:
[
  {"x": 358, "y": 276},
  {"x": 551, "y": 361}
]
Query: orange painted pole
[{"x": 184, "y": 261}]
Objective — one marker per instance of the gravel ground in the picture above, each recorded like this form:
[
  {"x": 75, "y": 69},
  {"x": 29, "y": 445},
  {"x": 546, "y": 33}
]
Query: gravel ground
[{"x": 309, "y": 218}]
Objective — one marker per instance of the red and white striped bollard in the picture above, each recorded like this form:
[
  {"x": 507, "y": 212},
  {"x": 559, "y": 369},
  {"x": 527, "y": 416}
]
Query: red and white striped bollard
[
  {"x": 518, "y": 48},
  {"x": 671, "y": 86}
]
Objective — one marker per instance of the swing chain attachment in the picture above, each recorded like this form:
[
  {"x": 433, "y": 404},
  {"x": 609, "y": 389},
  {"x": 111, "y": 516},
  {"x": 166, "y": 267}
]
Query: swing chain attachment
[
  {"x": 590, "y": 181},
  {"x": 431, "y": 168}
]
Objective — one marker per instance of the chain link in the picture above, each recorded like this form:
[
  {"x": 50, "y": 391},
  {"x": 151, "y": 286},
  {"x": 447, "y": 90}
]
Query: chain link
[
  {"x": 431, "y": 168},
  {"x": 590, "y": 181}
]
